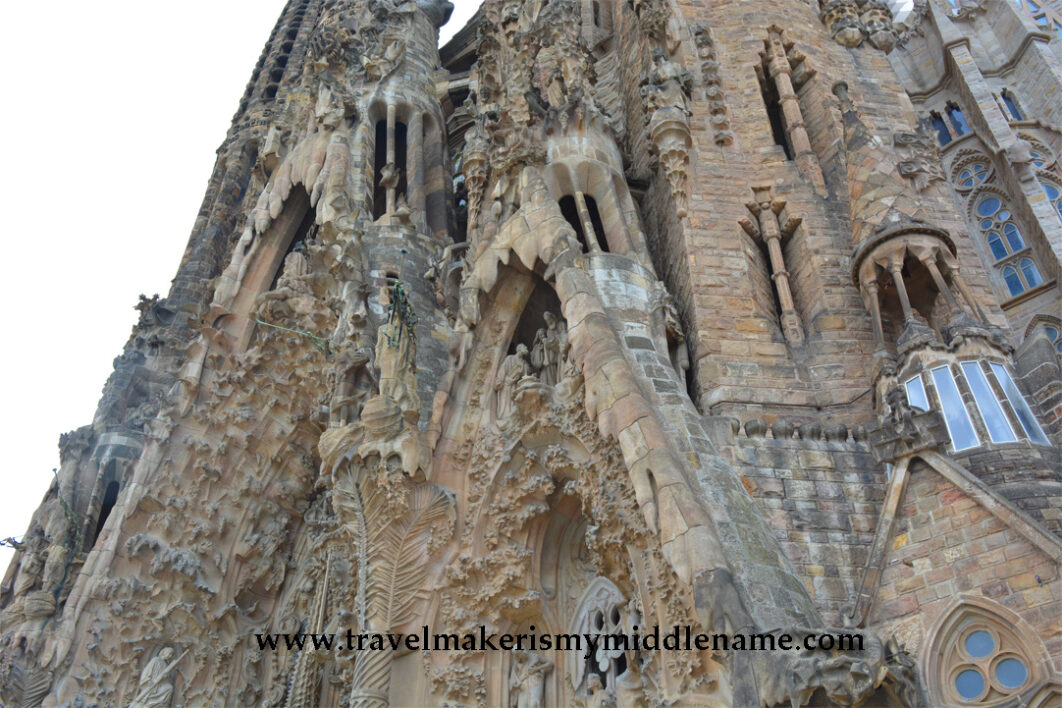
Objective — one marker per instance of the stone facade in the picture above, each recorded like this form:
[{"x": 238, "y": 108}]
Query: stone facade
[{"x": 607, "y": 314}]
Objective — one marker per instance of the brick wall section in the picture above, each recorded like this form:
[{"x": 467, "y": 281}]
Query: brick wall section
[
  {"x": 945, "y": 543},
  {"x": 822, "y": 500},
  {"x": 1023, "y": 473}
]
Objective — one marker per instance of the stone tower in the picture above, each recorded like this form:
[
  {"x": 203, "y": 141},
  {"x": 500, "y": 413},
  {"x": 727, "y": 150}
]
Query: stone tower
[{"x": 608, "y": 315}]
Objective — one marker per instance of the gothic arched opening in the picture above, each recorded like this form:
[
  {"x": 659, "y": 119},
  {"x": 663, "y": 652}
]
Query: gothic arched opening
[
  {"x": 543, "y": 299},
  {"x": 110, "y": 498}
]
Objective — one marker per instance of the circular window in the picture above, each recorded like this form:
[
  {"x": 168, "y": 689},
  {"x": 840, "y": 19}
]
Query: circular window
[
  {"x": 973, "y": 174},
  {"x": 980, "y": 644},
  {"x": 970, "y": 684},
  {"x": 988, "y": 206},
  {"x": 1011, "y": 672}
]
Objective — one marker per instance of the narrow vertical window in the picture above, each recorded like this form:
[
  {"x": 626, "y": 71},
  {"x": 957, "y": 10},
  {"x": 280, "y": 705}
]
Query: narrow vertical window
[
  {"x": 1011, "y": 104},
  {"x": 1017, "y": 402},
  {"x": 958, "y": 121},
  {"x": 110, "y": 498},
  {"x": 916, "y": 393},
  {"x": 999, "y": 429},
  {"x": 379, "y": 192},
  {"x": 943, "y": 134},
  {"x": 961, "y": 430},
  {"x": 571, "y": 215},
  {"x": 1054, "y": 195}
]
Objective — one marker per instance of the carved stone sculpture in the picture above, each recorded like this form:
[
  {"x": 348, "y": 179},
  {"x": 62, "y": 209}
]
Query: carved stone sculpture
[
  {"x": 527, "y": 679},
  {"x": 155, "y": 689}
]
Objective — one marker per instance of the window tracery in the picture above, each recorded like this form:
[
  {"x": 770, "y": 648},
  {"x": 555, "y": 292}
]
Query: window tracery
[
  {"x": 1006, "y": 243},
  {"x": 1055, "y": 335},
  {"x": 980, "y": 658}
]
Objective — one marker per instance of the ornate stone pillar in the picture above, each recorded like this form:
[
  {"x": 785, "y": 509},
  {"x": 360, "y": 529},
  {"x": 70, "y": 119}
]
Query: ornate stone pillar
[
  {"x": 896, "y": 270},
  {"x": 390, "y": 161},
  {"x": 588, "y": 224},
  {"x": 870, "y": 298},
  {"x": 781, "y": 73}
]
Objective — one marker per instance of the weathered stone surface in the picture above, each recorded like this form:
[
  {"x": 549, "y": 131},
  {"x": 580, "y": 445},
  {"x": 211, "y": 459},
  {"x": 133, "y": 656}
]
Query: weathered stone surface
[{"x": 576, "y": 324}]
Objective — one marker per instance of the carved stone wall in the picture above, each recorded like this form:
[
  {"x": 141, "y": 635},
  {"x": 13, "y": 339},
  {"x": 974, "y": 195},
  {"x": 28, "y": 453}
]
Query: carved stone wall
[{"x": 568, "y": 326}]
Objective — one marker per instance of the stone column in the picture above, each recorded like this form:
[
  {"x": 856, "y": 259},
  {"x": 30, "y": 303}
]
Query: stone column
[
  {"x": 792, "y": 327},
  {"x": 588, "y": 224},
  {"x": 415, "y": 168},
  {"x": 391, "y": 155},
  {"x": 781, "y": 73},
  {"x": 896, "y": 269},
  {"x": 930, "y": 262},
  {"x": 870, "y": 298}
]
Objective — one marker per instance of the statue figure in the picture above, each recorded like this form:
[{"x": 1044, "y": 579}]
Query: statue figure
[
  {"x": 29, "y": 571},
  {"x": 228, "y": 284},
  {"x": 513, "y": 368},
  {"x": 154, "y": 691},
  {"x": 58, "y": 554},
  {"x": 548, "y": 350},
  {"x": 599, "y": 697},
  {"x": 527, "y": 679},
  {"x": 900, "y": 414},
  {"x": 669, "y": 84},
  {"x": 353, "y": 383},
  {"x": 296, "y": 265}
]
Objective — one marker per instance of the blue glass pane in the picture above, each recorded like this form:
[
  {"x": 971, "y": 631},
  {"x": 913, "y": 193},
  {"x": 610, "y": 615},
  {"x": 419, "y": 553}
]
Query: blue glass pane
[
  {"x": 957, "y": 120},
  {"x": 943, "y": 135},
  {"x": 916, "y": 393},
  {"x": 996, "y": 244},
  {"x": 960, "y": 428},
  {"x": 970, "y": 684},
  {"x": 965, "y": 174},
  {"x": 987, "y": 224},
  {"x": 1014, "y": 237},
  {"x": 1051, "y": 192},
  {"x": 988, "y": 207},
  {"x": 1000, "y": 431},
  {"x": 1052, "y": 333},
  {"x": 1011, "y": 673},
  {"x": 1012, "y": 106},
  {"x": 1003, "y": 215},
  {"x": 1032, "y": 276},
  {"x": 1013, "y": 281},
  {"x": 1017, "y": 402},
  {"x": 980, "y": 643}
]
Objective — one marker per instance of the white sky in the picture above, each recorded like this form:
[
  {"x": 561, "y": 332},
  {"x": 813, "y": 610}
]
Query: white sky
[{"x": 111, "y": 116}]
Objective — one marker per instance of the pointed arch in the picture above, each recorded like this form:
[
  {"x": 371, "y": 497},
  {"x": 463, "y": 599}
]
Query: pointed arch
[{"x": 980, "y": 653}]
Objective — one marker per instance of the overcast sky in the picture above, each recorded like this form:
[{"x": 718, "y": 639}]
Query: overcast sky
[{"x": 112, "y": 113}]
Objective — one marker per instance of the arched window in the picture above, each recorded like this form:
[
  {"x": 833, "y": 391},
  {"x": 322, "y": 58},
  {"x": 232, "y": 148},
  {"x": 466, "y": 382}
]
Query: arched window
[
  {"x": 981, "y": 658},
  {"x": 943, "y": 134},
  {"x": 1055, "y": 335},
  {"x": 973, "y": 174},
  {"x": 958, "y": 122},
  {"x": 1031, "y": 274},
  {"x": 997, "y": 224},
  {"x": 1014, "y": 284},
  {"x": 1054, "y": 195},
  {"x": 1011, "y": 104}
]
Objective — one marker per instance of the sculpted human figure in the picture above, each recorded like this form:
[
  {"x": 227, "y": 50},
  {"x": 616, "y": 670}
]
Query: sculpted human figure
[
  {"x": 599, "y": 697},
  {"x": 527, "y": 679},
  {"x": 353, "y": 383},
  {"x": 232, "y": 277},
  {"x": 154, "y": 690},
  {"x": 669, "y": 83},
  {"x": 548, "y": 350},
  {"x": 513, "y": 368}
]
